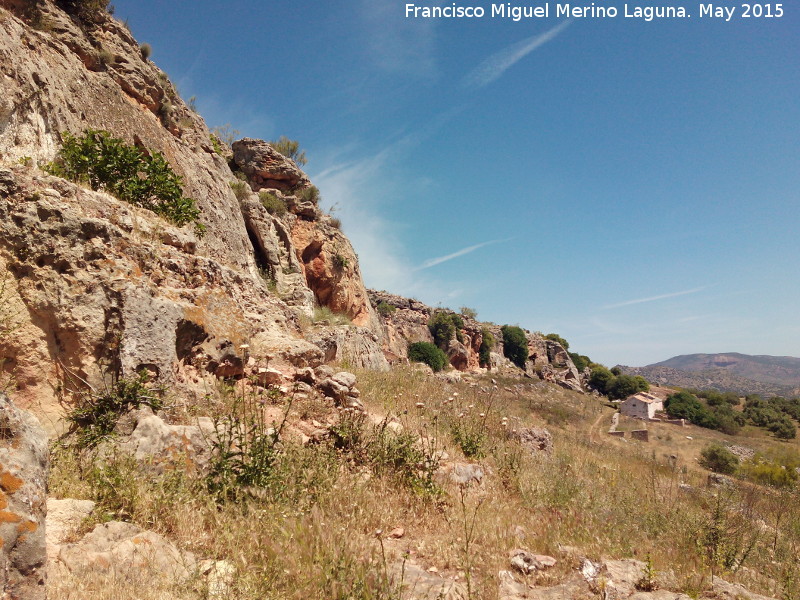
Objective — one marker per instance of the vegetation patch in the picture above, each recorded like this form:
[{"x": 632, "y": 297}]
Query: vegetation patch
[
  {"x": 385, "y": 309},
  {"x": 274, "y": 205},
  {"x": 515, "y": 345},
  {"x": 142, "y": 179},
  {"x": 96, "y": 414},
  {"x": 290, "y": 149},
  {"x": 443, "y": 326},
  {"x": 428, "y": 353},
  {"x": 487, "y": 345}
]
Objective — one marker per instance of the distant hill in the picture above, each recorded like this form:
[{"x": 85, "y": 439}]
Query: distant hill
[{"x": 729, "y": 372}]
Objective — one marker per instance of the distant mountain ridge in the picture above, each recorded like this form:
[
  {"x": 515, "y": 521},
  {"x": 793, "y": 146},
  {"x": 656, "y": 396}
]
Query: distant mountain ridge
[{"x": 729, "y": 371}]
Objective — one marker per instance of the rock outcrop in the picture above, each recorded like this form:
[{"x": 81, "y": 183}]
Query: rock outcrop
[
  {"x": 99, "y": 287},
  {"x": 23, "y": 503},
  {"x": 405, "y": 321}
]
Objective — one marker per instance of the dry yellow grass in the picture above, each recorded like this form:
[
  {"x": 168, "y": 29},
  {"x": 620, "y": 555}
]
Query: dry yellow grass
[{"x": 313, "y": 535}]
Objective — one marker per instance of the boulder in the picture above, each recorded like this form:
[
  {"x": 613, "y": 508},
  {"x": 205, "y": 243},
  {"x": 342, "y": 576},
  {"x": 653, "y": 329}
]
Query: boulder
[
  {"x": 23, "y": 503},
  {"x": 535, "y": 439},
  {"x": 64, "y": 517},
  {"x": 415, "y": 583},
  {"x": 159, "y": 446},
  {"x": 265, "y": 167},
  {"x": 129, "y": 553}
]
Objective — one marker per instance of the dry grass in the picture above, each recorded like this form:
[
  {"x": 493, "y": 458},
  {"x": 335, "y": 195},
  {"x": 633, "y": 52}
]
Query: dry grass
[{"x": 313, "y": 534}]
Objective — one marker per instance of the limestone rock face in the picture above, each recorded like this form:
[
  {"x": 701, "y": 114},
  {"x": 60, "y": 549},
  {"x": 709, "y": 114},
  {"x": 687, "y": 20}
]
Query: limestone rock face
[
  {"x": 265, "y": 167},
  {"x": 94, "y": 282},
  {"x": 354, "y": 346},
  {"x": 405, "y": 320},
  {"x": 62, "y": 80},
  {"x": 23, "y": 503},
  {"x": 331, "y": 271}
]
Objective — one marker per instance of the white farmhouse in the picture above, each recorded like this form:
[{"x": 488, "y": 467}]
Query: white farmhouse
[{"x": 641, "y": 406}]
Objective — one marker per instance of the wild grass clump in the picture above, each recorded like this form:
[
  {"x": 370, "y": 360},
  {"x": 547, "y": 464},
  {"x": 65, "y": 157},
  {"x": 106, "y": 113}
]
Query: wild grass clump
[
  {"x": 108, "y": 163},
  {"x": 274, "y": 205},
  {"x": 290, "y": 149},
  {"x": 385, "y": 309},
  {"x": 310, "y": 194},
  {"x": 325, "y": 316},
  {"x": 96, "y": 413},
  {"x": 146, "y": 50},
  {"x": 240, "y": 189}
]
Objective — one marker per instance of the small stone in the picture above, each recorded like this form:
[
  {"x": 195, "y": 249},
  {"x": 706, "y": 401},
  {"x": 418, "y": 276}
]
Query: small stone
[{"x": 397, "y": 533}]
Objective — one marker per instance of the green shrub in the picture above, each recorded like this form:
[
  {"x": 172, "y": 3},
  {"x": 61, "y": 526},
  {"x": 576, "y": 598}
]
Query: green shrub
[
  {"x": 96, "y": 414},
  {"x": 515, "y": 345},
  {"x": 240, "y": 189},
  {"x": 442, "y": 329},
  {"x": 769, "y": 471},
  {"x": 487, "y": 344},
  {"x": 310, "y": 194},
  {"x": 385, "y": 309},
  {"x": 580, "y": 361},
  {"x": 428, "y": 353},
  {"x": 683, "y": 405},
  {"x": 274, "y": 205},
  {"x": 557, "y": 338},
  {"x": 719, "y": 459},
  {"x": 600, "y": 378},
  {"x": 471, "y": 437},
  {"x": 340, "y": 262},
  {"x": 468, "y": 313},
  {"x": 290, "y": 149},
  {"x": 623, "y": 386},
  {"x": 146, "y": 50},
  {"x": 108, "y": 163}
]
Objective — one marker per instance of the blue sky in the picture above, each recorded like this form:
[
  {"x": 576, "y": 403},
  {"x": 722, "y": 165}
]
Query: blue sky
[{"x": 633, "y": 186}]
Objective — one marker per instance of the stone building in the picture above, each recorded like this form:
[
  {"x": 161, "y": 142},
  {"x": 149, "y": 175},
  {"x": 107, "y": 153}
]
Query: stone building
[{"x": 641, "y": 406}]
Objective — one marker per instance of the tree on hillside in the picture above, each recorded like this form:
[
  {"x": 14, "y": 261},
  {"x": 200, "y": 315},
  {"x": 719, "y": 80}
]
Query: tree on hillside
[
  {"x": 487, "y": 343},
  {"x": 683, "y": 405},
  {"x": 515, "y": 345},
  {"x": 626, "y": 385},
  {"x": 600, "y": 378}
]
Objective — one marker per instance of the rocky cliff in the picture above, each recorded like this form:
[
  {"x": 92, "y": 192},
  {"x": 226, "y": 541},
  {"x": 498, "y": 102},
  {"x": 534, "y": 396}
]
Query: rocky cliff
[
  {"x": 93, "y": 285},
  {"x": 405, "y": 320}
]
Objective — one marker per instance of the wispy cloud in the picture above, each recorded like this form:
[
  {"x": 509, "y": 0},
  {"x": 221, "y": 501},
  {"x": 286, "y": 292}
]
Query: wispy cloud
[
  {"x": 360, "y": 187},
  {"x": 654, "y": 298},
  {"x": 432, "y": 262},
  {"x": 404, "y": 45},
  {"x": 498, "y": 63}
]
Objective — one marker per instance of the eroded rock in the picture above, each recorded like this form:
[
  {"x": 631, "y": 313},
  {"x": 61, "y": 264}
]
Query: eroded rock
[{"x": 23, "y": 503}]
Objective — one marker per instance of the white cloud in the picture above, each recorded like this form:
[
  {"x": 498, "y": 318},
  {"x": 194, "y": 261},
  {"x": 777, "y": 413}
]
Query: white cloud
[
  {"x": 498, "y": 63},
  {"x": 432, "y": 262},
  {"x": 395, "y": 43},
  {"x": 654, "y": 298},
  {"x": 358, "y": 188}
]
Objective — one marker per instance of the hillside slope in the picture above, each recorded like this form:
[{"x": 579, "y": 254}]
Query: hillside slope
[{"x": 728, "y": 372}]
